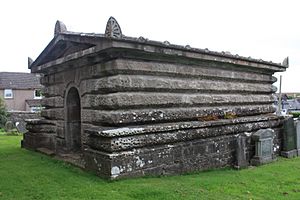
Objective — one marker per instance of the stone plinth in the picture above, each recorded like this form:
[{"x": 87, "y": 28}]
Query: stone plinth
[{"x": 263, "y": 147}]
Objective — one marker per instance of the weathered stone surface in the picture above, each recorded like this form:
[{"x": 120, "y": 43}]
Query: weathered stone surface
[
  {"x": 121, "y": 66},
  {"x": 163, "y": 127},
  {"x": 46, "y": 151},
  {"x": 298, "y": 136},
  {"x": 54, "y": 113},
  {"x": 53, "y": 102},
  {"x": 131, "y": 107},
  {"x": 156, "y": 100},
  {"x": 113, "y": 29},
  {"x": 289, "y": 135},
  {"x": 52, "y": 79},
  {"x": 131, "y": 83},
  {"x": 151, "y": 50},
  {"x": 289, "y": 145},
  {"x": 263, "y": 146},
  {"x": 61, "y": 146},
  {"x": 165, "y": 159},
  {"x": 60, "y": 132},
  {"x": 205, "y": 70},
  {"x": 45, "y": 128},
  {"x": 60, "y": 27},
  {"x": 170, "y": 114},
  {"x": 38, "y": 140},
  {"x": 241, "y": 152},
  {"x": 41, "y": 125},
  {"x": 54, "y": 90},
  {"x": 107, "y": 140}
]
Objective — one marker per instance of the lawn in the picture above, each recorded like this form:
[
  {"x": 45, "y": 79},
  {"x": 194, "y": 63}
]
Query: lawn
[{"x": 30, "y": 175}]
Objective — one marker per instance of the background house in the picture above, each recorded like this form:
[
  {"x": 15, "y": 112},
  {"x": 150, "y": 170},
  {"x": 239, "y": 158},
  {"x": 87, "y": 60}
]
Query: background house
[
  {"x": 290, "y": 102},
  {"x": 21, "y": 91}
]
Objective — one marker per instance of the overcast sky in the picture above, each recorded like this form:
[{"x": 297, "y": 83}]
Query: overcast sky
[{"x": 264, "y": 29}]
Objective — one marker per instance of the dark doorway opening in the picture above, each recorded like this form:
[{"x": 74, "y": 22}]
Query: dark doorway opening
[{"x": 73, "y": 121}]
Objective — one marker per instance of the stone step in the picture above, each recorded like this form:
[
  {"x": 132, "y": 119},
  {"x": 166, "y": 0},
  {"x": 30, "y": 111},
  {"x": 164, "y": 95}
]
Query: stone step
[
  {"x": 73, "y": 158},
  {"x": 45, "y": 151}
]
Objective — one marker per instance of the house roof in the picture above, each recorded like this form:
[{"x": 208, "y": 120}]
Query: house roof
[
  {"x": 67, "y": 46},
  {"x": 19, "y": 80}
]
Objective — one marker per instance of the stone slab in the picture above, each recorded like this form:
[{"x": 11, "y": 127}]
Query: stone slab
[
  {"x": 263, "y": 147},
  {"x": 241, "y": 152},
  {"x": 46, "y": 151},
  {"x": 164, "y": 159},
  {"x": 289, "y": 135},
  {"x": 289, "y": 154},
  {"x": 128, "y": 138},
  {"x": 262, "y": 160},
  {"x": 154, "y": 115}
]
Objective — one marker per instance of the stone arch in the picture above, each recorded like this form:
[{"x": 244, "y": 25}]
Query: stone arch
[{"x": 73, "y": 120}]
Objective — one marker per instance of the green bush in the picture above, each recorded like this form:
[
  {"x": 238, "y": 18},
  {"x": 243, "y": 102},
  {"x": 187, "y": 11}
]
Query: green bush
[
  {"x": 295, "y": 114},
  {"x": 3, "y": 113}
]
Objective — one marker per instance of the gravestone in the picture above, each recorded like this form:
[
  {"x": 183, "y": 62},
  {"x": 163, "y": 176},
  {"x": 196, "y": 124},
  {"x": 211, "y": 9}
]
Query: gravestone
[
  {"x": 21, "y": 126},
  {"x": 241, "y": 153},
  {"x": 263, "y": 146},
  {"x": 298, "y": 136},
  {"x": 9, "y": 126},
  {"x": 289, "y": 145}
]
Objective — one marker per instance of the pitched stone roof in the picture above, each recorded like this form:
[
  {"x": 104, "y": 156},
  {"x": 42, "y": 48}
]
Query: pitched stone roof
[
  {"x": 19, "y": 80},
  {"x": 67, "y": 46}
]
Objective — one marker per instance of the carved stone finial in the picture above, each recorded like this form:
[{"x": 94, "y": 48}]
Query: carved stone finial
[
  {"x": 60, "y": 27},
  {"x": 142, "y": 39},
  {"x": 286, "y": 62},
  {"x": 187, "y": 46},
  {"x": 30, "y": 61},
  {"x": 167, "y": 43},
  {"x": 113, "y": 29}
]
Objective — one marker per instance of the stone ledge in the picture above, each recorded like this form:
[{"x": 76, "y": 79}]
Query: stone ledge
[
  {"x": 46, "y": 151},
  {"x": 262, "y": 160},
  {"x": 163, "y": 159},
  {"x": 126, "y": 138},
  {"x": 163, "y": 127},
  {"x": 289, "y": 154},
  {"x": 131, "y": 117}
]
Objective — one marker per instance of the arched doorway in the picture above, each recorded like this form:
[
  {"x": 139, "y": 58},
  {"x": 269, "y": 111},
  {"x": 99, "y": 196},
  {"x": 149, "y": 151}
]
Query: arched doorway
[{"x": 73, "y": 121}]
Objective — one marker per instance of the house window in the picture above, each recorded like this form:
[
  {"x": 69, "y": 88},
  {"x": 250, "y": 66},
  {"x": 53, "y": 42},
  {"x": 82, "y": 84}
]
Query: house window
[
  {"x": 37, "y": 94},
  {"x": 8, "y": 94}
]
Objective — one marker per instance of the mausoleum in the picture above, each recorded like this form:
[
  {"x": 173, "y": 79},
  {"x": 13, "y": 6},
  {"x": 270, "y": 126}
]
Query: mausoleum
[{"x": 124, "y": 106}]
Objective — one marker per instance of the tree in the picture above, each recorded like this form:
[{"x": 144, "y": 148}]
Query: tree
[{"x": 3, "y": 113}]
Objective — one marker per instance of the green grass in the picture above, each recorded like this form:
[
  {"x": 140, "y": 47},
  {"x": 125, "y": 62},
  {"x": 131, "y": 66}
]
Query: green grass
[
  {"x": 2, "y": 132},
  {"x": 30, "y": 175}
]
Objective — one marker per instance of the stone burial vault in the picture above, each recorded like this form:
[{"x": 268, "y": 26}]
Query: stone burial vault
[{"x": 124, "y": 106}]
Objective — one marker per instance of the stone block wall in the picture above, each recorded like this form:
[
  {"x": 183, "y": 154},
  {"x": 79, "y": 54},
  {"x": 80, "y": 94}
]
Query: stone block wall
[{"x": 154, "y": 108}]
